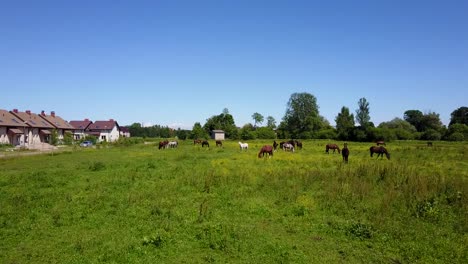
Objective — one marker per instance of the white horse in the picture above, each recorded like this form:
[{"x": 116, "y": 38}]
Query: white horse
[
  {"x": 243, "y": 146},
  {"x": 287, "y": 146},
  {"x": 172, "y": 144}
]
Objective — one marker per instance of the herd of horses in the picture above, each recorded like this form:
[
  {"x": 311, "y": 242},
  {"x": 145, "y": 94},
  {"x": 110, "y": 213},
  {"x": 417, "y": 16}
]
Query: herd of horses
[{"x": 291, "y": 145}]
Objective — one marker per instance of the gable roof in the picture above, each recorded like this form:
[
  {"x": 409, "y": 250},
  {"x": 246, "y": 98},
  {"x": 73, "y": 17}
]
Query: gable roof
[
  {"x": 103, "y": 125},
  {"x": 8, "y": 119},
  {"x": 56, "y": 121},
  {"x": 81, "y": 124},
  {"x": 33, "y": 120},
  {"x": 124, "y": 129}
]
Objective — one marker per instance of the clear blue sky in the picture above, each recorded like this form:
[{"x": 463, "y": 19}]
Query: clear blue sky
[{"x": 180, "y": 62}]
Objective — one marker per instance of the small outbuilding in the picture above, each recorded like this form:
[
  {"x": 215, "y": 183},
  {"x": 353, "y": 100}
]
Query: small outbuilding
[{"x": 217, "y": 134}]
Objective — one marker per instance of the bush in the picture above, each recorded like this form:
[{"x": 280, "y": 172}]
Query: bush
[
  {"x": 327, "y": 134},
  {"x": 431, "y": 134},
  {"x": 457, "y": 136}
]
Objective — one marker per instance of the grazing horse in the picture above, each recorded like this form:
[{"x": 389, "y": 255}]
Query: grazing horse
[
  {"x": 275, "y": 145},
  {"x": 380, "y": 143},
  {"x": 380, "y": 150},
  {"x": 332, "y": 146},
  {"x": 197, "y": 141},
  {"x": 173, "y": 144},
  {"x": 298, "y": 144},
  {"x": 345, "y": 152},
  {"x": 205, "y": 143},
  {"x": 219, "y": 143},
  {"x": 267, "y": 149},
  {"x": 243, "y": 146},
  {"x": 163, "y": 144},
  {"x": 288, "y": 147},
  {"x": 281, "y": 144},
  {"x": 429, "y": 144}
]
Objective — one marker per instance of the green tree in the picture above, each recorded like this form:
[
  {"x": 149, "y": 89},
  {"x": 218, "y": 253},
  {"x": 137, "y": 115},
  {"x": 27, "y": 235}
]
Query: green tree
[
  {"x": 431, "y": 120},
  {"x": 247, "y": 132},
  {"x": 271, "y": 122},
  {"x": 401, "y": 129},
  {"x": 415, "y": 118},
  {"x": 265, "y": 133},
  {"x": 258, "y": 119},
  {"x": 223, "y": 121},
  {"x": 344, "y": 123},
  {"x": 198, "y": 132},
  {"x": 459, "y": 116},
  {"x": 457, "y": 132},
  {"x": 302, "y": 115},
  {"x": 363, "y": 113}
]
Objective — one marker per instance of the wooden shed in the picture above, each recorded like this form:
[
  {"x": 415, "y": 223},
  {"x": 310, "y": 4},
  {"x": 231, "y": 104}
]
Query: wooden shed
[{"x": 217, "y": 134}]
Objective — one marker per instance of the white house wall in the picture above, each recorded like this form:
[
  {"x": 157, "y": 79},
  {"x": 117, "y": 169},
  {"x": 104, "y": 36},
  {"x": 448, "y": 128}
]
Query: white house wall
[{"x": 4, "y": 136}]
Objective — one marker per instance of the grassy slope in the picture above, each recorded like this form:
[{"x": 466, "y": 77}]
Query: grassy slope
[{"x": 194, "y": 205}]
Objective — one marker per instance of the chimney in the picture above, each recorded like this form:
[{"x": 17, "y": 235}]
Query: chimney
[
  {"x": 28, "y": 112},
  {"x": 15, "y": 111},
  {"x": 112, "y": 120},
  {"x": 86, "y": 120},
  {"x": 42, "y": 113},
  {"x": 52, "y": 114}
]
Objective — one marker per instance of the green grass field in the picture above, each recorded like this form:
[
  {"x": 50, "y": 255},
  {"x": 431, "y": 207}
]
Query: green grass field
[{"x": 138, "y": 204}]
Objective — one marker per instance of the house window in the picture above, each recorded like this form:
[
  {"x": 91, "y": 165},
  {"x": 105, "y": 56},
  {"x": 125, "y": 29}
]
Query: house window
[{"x": 103, "y": 138}]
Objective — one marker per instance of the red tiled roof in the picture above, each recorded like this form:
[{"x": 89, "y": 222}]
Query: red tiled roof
[
  {"x": 80, "y": 124},
  {"x": 56, "y": 121},
  {"x": 9, "y": 120},
  {"x": 103, "y": 125},
  {"x": 33, "y": 120}
]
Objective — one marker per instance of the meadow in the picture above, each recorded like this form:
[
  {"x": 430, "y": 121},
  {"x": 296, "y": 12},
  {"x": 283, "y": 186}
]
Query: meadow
[{"x": 138, "y": 204}]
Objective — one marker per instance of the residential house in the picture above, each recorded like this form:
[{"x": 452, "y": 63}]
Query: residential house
[
  {"x": 106, "y": 130},
  {"x": 80, "y": 128},
  {"x": 124, "y": 132},
  {"x": 37, "y": 130},
  {"x": 60, "y": 125},
  {"x": 217, "y": 134},
  {"x": 12, "y": 129}
]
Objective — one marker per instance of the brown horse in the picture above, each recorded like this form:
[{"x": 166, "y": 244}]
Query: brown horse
[
  {"x": 380, "y": 143},
  {"x": 332, "y": 146},
  {"x": 345, "y": 152},
  {"x": 275, "y": 145},
  {"x": 163, "y": 144},
  {"x": 219, "y": 143},
  {"x": 197, "y": 141},
  {"x": 298, "y": 144},
  {"x": 267, "y": 149},
  {"x": 205, "y": 143},
  {"x": 380, "y": 150}
]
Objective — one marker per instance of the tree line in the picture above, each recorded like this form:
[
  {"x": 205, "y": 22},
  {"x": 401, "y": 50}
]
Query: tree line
[{"x": 302, "y": 120}]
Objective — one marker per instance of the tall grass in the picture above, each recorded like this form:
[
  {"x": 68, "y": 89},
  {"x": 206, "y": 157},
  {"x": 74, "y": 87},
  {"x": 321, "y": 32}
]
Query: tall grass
[{"x": 138, "y": 204}]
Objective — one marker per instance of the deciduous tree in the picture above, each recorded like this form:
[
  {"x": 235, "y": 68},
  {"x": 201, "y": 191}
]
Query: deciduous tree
[
  {"x": 258, "y": 119},
  {"x": 459, "y": 116},
  {"x": 363, "y": 113},
  {"x": 302, "y": 115},
  {"x": 344, "y": 123}
]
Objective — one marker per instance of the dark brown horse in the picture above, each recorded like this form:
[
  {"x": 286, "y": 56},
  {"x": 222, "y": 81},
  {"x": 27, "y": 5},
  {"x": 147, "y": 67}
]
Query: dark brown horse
[
  {"x": 345, "y": 152},
  {"x": 219, "y": 143},
  {"x": 267, "y": 149},
  {"x": 380, "y": 150},
  {"x": 163, "y": 144},
  {"x": 275, "y": 145},
  {"x": 332, "y": 146},
  {"x": 197, "y": 141},
  {"x": 380, "y": 143},
  {"x": 298, "y": 144},
  {"x": 205, "y": 143}
]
